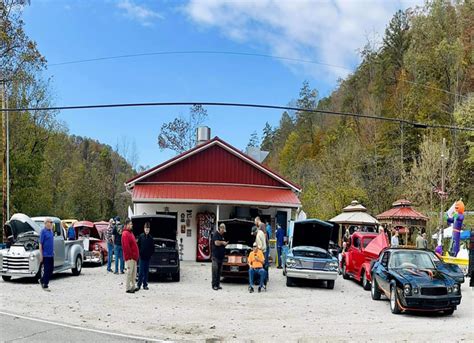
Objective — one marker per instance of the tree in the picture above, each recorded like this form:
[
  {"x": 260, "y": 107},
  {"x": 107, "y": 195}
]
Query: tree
[
  {"x": 179, "y": 135},
  {"x": 268, "y": 138},
  {"x": 254, "y": 142}
]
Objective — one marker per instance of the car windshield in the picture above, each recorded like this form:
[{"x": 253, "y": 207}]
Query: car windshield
[{"x": 411, "y": 259}]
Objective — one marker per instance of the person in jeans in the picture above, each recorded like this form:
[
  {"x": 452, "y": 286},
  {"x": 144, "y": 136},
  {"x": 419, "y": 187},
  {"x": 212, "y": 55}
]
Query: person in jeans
[
  {"x": 46, "y": 248},
  {"x": 256, "y": 261},
  {"x": 146, "y": 246},
  {"x": 109, "y": 237},
  {"x": 117, "y": 241},
  {"x": 218, "y": 253},
  {"x": 130, "y": 255},
  {"x": 280, "y": 240}
]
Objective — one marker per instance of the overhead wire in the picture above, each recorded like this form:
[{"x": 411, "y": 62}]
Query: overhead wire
[{"x": 245, "y": 105}]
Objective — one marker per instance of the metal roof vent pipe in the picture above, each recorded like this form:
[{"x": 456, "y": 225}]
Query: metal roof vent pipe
[{"x": 203, "y": 134}]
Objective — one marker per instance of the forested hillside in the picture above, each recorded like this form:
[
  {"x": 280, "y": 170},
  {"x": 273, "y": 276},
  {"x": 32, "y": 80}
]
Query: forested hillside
[
  {"x": 422, "y": 71},
  {"x": 52, "y": 173}
]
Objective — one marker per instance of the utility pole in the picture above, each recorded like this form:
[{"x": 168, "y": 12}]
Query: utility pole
[
  {"x": 443, "y": 158},
  {"x": 6, "y": 158}
]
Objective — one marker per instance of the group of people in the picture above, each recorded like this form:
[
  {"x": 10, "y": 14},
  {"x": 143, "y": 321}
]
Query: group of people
[
  {"x": 258, "y": 258},
  {"x": 120, "y": 241}
]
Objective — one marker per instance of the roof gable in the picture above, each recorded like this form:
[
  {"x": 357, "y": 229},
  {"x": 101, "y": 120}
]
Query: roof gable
[{"x": 213, "y": 162}]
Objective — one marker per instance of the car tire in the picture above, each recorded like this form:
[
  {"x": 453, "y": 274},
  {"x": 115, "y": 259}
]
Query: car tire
[
  {"x": 176, "y": 276},
  {"x": 374, "y": 290},
  {"x": 394, "y": 300},
  {"x": 77, "y": 266},
  {"x": 450, "y": 311},
  {"x": 344, "y": 273},
  {"x": 6, "y": 278},
  {"x": 289, "y": 282},
  {"x": 284, "y": 271},
  {"x": 330, "y": 284},
  {"x": 365, "y": 282}
]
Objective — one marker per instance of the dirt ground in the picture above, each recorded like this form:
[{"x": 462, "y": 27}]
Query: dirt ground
[{"x": 191, "y": 311}]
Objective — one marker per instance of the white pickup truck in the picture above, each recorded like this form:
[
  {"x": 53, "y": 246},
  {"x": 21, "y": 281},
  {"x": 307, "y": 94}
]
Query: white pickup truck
[{"x": 22, "y": 256}]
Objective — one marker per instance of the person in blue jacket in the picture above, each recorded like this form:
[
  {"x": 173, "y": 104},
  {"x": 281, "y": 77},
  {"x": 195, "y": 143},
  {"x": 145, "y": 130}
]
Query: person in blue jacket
[
  {"x": 71, "y": 233},
  {"x": 280, "y": 242}
]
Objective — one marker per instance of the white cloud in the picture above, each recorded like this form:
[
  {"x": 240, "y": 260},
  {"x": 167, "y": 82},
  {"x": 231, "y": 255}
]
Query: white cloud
[
  {"x": 327, "y": 31},
  {"x": 140, "y": 13}
]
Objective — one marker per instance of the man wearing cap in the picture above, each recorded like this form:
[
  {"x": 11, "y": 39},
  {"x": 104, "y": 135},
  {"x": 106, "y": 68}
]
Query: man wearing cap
[
  {"x": 256, "y": 261},
  {"x": 218, "y": 253},
  {"x": 46, "y": 248}
]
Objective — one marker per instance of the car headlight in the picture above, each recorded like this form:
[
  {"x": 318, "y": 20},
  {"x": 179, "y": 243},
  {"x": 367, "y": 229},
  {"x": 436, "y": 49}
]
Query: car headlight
[
  {"x": 244, "y": 259},
  {"x": 416, "y": 290},
  {"x": 291, "y": 262},
  {"x": 96, "y": 247},
  {"x": 407, "y": 289},
  {"x": 332, "y": 265},
  {"x": 456, "y": 288},
  {"x": 32, "y": 257}
]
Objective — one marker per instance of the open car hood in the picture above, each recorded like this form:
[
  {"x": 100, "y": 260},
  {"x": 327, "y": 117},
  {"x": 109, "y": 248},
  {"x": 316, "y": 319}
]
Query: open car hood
[
  {"x": 238, "y": 232},
  {"x": 312, "y": 232},
  {"x": 162, "y": 226},
  {"x": 86, "y": 229},
  {"x": 20, "y": 223},
  {"x": 377, "y": 245}
]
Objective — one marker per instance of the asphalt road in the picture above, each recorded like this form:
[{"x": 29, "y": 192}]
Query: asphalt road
[{"x": 20, "y": 329}]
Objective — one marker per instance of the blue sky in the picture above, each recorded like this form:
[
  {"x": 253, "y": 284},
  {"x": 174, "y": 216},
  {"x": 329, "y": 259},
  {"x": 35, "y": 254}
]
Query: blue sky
[{"x": 325, "y": 31}]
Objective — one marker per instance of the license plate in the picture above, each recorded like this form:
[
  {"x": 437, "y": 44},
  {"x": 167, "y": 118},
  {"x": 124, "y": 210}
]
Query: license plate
[
  {"x": 153, "y": 270},
  {"x": 234, "y": 268}
]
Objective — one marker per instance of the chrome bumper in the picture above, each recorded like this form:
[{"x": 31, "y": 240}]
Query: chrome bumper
[{"x": 311, "y": 274}]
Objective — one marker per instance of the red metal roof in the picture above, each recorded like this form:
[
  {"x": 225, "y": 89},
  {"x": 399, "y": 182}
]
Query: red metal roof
[
  {"x": 213, "y": 162},
  {"x": 402, "y": 210},
  {"x": 218, "y": 194}
]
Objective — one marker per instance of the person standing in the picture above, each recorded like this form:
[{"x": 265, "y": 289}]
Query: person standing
[
  {"x": 117, "y": 241},
  {"x": 146, "y": 246},
  {"x": 71, "y": 233},
  {"x": 280, "y": 240},
  {"x": 109, "y": 237},
  {"x": 130, "y": 255},
  {"x": 46, "y": 248},
  {"x": 471, "y": 259},
  {"x": 394, "y": 241},
  {"x": 425, "y": 241},
  {"x": 420, "y": 244},
  {"x": 218, "y": 253},
  {"x": 256, "y": 261}
]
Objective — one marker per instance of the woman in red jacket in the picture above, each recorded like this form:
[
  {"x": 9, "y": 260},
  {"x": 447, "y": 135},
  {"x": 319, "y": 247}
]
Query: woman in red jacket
[{"x": 130, "y": 255}]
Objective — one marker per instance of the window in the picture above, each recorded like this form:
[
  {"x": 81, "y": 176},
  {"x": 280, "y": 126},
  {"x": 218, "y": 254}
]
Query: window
[
  {"x": 356, "y": 242},
  {"x": 366, "y": 241},
  {"x": 384, "y": 259}
]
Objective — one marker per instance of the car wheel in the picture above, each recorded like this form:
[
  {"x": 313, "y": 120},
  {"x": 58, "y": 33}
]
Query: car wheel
[
  {"x": 375, "y": 292},
  {"x": 330, "y": 284},
  {"x": 365, "y": 282},
  {"x": 289, "y": 282},
  {"x": 449, "y": 312},
  {"x": 6, "y": 278},
  {"x": 394, "y": 300},
  {"x": 344, "y": 273},
  {"x": 77, "y": 266},
  {"x": 176, "y": 276},
  {"x": 284, "y": 271}
]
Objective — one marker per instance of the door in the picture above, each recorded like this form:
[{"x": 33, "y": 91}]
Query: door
[
  {"x": 381, "y": 273},
  {"x": 59, "y": 249}
]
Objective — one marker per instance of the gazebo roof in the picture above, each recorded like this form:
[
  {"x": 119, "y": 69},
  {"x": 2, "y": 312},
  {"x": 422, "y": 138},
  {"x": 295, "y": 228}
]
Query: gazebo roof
[
  {"x": 355, "y": 213},
  {"x": 402, "y": 210}
]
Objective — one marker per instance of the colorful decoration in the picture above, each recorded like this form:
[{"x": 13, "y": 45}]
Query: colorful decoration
[
  {"x": 206, "y": 222},
  {"x": 455, "y": 217}
]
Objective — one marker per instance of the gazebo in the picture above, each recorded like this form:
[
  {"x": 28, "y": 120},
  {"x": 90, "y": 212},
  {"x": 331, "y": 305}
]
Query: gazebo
[
  {"x": 403, "y": 218},
  {"x": 355, "y": 216}
]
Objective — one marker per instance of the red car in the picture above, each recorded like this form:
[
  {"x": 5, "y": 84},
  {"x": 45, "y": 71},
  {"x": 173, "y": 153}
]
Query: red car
[
  {"x": 95, "y": 247},
  {"x": 362, "y": 250}
]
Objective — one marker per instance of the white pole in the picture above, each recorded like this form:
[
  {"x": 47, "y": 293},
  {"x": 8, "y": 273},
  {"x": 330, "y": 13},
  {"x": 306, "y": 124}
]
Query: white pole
[{"x": 217, "y": 216}]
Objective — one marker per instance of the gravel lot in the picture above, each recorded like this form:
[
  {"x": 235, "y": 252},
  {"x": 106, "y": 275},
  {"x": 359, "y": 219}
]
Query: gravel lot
[{"x": 190, "y": 310}]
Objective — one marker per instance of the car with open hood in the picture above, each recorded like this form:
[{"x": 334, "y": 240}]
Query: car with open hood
[
  {"x": 309, "y": 257},
  {"x": 362, "y": 249},
  {"x": 411, "y": 280},
  {"x": 95, "y": 246},
  {"x": 22, "y": 256},
  {"x": 163, "y": 229},
  {"x": 239, "y": 235}
]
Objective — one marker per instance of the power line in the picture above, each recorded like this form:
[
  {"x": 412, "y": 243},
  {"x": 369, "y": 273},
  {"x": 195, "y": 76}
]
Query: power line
[
  {"x": 246, "y": 105},
  {"x": 235, "y": 53}
]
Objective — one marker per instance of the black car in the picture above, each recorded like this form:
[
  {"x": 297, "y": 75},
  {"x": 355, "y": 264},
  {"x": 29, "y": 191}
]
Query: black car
[
  {"x": 413, "y": 282},
  {"x": 165, "y": 259}
]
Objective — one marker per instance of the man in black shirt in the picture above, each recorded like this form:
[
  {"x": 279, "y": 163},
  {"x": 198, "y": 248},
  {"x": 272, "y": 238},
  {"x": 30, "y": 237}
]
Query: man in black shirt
[{"x": 218, "y": 253}]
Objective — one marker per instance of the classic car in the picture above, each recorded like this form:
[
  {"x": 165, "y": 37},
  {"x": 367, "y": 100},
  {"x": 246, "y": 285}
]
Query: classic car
[
  {"x": 95, "y": 247},
  {"x": 102, "y": 227},
  {"x": 239, "y": 235},
  {"x": 412, "y": 282},
  {"x": 363, "y": 248},
  {"x": 22, "y": 256},
  {"x": 163, "y": 228},
  {"x": 308, "y": 257}
]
